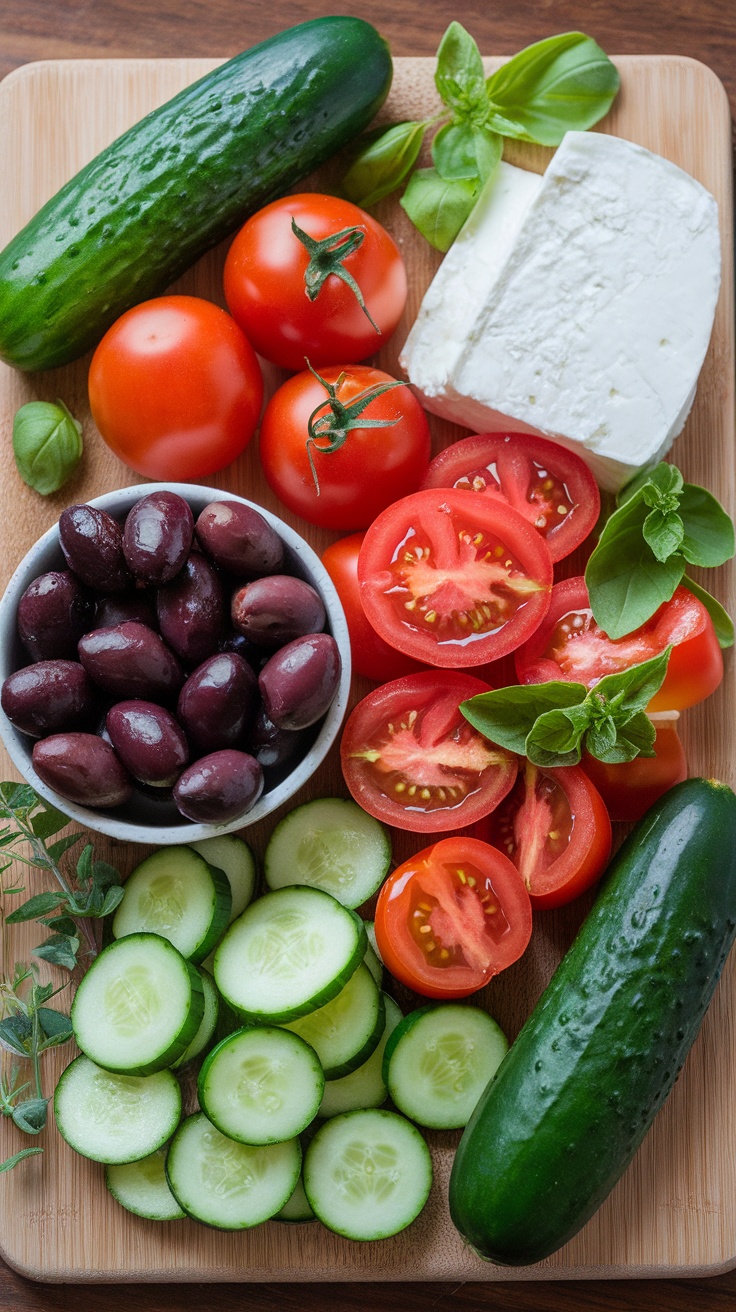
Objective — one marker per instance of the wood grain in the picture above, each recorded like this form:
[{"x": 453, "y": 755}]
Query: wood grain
[{"x": 693, "y": 1220}]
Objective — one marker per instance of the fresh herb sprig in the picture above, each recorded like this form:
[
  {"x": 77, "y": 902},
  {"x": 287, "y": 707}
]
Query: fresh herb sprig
[
  {"x": 28, "y": 1029},
  {"x": 553, "y": 723},
  {"x": 541, "y": 93}
]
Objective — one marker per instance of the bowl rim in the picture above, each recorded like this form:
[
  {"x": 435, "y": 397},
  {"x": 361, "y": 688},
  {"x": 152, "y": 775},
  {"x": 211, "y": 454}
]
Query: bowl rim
[{"x": 19, "y": 745}]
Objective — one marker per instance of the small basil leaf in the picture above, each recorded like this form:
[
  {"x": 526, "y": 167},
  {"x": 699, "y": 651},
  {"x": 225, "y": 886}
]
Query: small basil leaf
[
  {"x": 439, "y": 208},
  {"x": 632, "y": 689},
  {"x": 709, "y": 535},
  {"x": 626, "y": 583},
  {"x": 663, "y": 531},
  {"x": 383, "y": 163},
  {"x": 665, "y": 480},
  {"x": 10, "y": 1162},
  {"x": 30, "y": 1116},
  {"x": 636, "y": 738},
  {"x": 553, "y": 736},
  {"x": 461, "y": 150},
  {"x": 601, "y": 738},
  {"x": 460, "y": 76},
  {"x": 722, "y": 622},
  {"x": 563, "y": 82},
  {"x": 507, "y": 715},
  {"x": 47, "y": 445}
]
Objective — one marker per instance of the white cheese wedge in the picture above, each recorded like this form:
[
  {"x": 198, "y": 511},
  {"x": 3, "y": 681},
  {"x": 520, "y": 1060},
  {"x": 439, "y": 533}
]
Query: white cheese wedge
[{"x": 578, "y": 305}]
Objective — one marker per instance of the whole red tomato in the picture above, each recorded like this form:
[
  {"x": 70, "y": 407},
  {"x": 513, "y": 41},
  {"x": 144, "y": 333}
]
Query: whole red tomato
[
  {"x": 372, "y": 657},
  {"x": 297, "y": 272},
  {"x": 175, "y": 388},
  {"x": 330, "y": 472}
]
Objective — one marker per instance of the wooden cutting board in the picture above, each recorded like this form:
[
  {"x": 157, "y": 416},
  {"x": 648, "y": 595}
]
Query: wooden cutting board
[{"x": 674, "y": 1212}]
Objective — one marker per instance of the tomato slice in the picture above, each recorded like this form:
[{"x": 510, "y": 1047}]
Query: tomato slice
[
  {"x": 569, "y": 645},
  {"x": 454, "y": 579},
  {"x": 411, "y": 759},
  {"x": 629, "y": 790},
  {"x": 551, "y": 487},
  {"x": 452, "y": 917},
  {"x": 555, "y": 828}
]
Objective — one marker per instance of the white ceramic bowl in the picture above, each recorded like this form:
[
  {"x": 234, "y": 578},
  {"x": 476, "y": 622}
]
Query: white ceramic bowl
[{"x": 140, "y": 820}]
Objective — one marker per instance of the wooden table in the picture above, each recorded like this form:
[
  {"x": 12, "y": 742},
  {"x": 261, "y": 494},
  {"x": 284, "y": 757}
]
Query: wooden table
[{"x": 38, "y": 29}]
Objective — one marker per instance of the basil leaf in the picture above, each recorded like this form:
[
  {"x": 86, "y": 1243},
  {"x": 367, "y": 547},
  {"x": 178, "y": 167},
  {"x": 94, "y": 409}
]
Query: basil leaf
[
  {"x": 553, "y": 741},
  {"x": 507, "y": 715},
  {"x": 708, "y": 530},
  {"x": 439, "y": 208},
  {"x": 663, "y": 532},
  {"x": 563, "y": 82},
  {"x": 626, "y": 583},
  {"x": 722, "y": 622},
  {"x": 47, "y": 445},
  {"x": 635, "y": 738},
  {"x": 10, "y": 1162},
  {"x": 460, "y": 76},
  {"x": 461, "y": 150},
  {"x": 632, "y": 690},
  {"x": 601, "y": 738},
  {"x": 383, "y": 163}
]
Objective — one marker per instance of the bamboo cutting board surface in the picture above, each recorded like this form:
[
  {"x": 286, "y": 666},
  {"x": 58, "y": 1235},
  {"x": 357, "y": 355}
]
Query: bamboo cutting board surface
[{"x": 674, "y": 1211}]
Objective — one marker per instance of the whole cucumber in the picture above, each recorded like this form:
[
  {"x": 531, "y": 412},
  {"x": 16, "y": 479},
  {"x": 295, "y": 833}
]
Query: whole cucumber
[
  {"x": 180, "y": 180},
  {"x": 581, "y": 1085}
]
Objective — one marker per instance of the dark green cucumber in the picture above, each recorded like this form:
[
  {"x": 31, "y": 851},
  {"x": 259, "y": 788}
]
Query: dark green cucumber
[
  {"x": 579, "y": 1089},
  {"x": 180, "y": 180}
]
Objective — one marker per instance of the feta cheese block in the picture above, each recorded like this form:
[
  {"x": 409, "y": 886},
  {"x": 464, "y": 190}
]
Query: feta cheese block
[{"x": 578, "y": 305}]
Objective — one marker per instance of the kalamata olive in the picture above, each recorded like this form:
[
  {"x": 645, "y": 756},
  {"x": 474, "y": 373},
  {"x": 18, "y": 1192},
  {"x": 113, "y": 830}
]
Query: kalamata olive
[
  {"x": 238, "y": 539},
  {"x": 92, "y": 542},
  {"x": 219, "y": 787},
  {"x": 53, "y": 613},
  {"x": 242, "y": 646},
  {"x": 191, "y": 611},
  {"x": 158, "y": 536},
  {"x": 217, "y": 702},
  {"x": 82, "y": 768},
  {"x": 130, "y": 660},
  {"x": 48, "y": 697},
  {"x": 148, "y": 741},
  {"x": 138, "y": 605},
  {"x": 272, "y": 747},
  {"x": 274, "y": 611},
  {"x": 300, "y": 681}
]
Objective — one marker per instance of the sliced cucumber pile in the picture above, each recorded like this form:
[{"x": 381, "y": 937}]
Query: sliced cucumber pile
[
  {"x": 439, "y": 1060},
  {"x": 141, "y": 1187},
  {"x": 208, "y": 1023},
  {"x": 261, "y": 1085},
  {"x": 346, "y": 1030},
  {"x": 331, "y": 844},
  {"x": 176, "y": 893},
  {"x": 366, "y": 1087},
  {"x": 233, "y": 856},
  {"x": 115, "y": 1118}
]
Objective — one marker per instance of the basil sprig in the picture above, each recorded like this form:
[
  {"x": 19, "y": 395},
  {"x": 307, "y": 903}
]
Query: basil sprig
[
  {"x": 550, "y": 87},
  {"x": 661, "y": 526},
  {"x": 47, "y": 445},
  {"x": 553, "y": 723}
]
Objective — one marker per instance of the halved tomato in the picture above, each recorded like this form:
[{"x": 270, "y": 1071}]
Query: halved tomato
[
  {"x": 569, "y": 645},
  {"x": 411, "y": 759},
  {"x": 452, "y": 917},
  {"x": 454, "y": 579},
  {"x": 555, "y": 828},
  {"x": 551, "y": 487},
  {"x": 629, "y": 790}
]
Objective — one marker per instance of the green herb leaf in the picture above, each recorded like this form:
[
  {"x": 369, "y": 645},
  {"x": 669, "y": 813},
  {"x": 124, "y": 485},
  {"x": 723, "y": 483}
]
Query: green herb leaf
[
  {"x": 550, "y": 87},
  {"x": 601, "y": 738},
  {"x": 47, "y": 444},
  {"x": 626, "y": 583},
  {"x": 40, "y": 905},
  {"x": 10, "y": 1162},
  {"x": 632, "y": 690},
  {"x": 56, "y": 850},
  {"x": 635, "y": 738},
  {"x": 384, "y": 163},
  {"x": 439, "y": 208},
  {"x": 553, "y": 741},
  {"x": 461, "y": 150},
  {"x": 722, "y": 622},
  {"x": 59, "y": 950},
  {"x": 15, "y": 1034},
  {"x": 708, "y": 531},
  {"x": 30, "y": 1116},
  {"x": 460, "y": 77},
  {"x": 56, "y": 1026},
  {"x": 48, "y": 822},
  {"x": 663, "y": 532},
  {"x": 507, "y": 715},
  {"x": 113, "y": 898},
  {"x": 84, "y": 865}
]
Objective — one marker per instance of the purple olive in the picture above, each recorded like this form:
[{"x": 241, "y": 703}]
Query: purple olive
[
  {"x": 139, "y": 605},
  {"x": 274, "y": 611},
  {"x": 53, "y": 614},
  {"x": 217, "y": 702},
  {"x": 242, "y": 646},
  {"x": 219, "y": 787},
  {"x": 130, "y": 660},
  {"x": 239, "y": 540},
  {"x": 148, "y": 741},
  {"x": 158, "y": 536},
  {"x": 92, "y": 542},
  {"x": 191, "y": 611},
  {"x": 272, "y": 747},
  {"x": 83, "y": 769},
  {"x": 49, "y": 697},
  {"x": 300, "y": 681}
]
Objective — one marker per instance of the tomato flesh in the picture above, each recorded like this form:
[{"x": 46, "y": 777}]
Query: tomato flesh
[{"x": 629, "y": 790}]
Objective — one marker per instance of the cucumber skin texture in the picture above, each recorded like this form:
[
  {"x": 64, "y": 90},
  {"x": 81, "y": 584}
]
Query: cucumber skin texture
[
  {"x": 130, "y": 222},
  {"x": 576, "y": 1094}
]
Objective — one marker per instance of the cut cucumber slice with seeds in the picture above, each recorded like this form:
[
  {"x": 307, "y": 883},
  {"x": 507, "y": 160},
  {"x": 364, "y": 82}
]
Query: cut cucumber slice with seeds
[
  {"x": 297, "y": 1208},
  {"x": 261, "y": 1085},
  {"x": 331, "y": 844},
  {"x": 346, "y": 1030},
  {"x": 142, "y": 1188},
  {"x": 289, "y": 953},
  {"x": 176, "y": 894},
  {"x": 233, "y": 856},
  {"x": 229, "y": 1185},
  {"x": 439, "y": 1060},
  {"x": 371, "y": 958},
  {"x": 208, "y": 1023},
  {"x": 365, "y": 1087},
  {"x": 138, "y": 1007},
  {"x": 115, "y": 1118},
  {"x": 367, "y": 1174}
]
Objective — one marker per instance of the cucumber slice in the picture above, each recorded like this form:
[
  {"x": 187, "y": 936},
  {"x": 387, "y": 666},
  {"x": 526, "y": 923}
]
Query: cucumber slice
[
  {"x": 176, "y": 894},
  {"x": 208, "y": 1023},
  {"x": 346, "y": 1030},
  {"x": 365, "y": 1087},
  {"x": 289, "y": 953},
  {"x": 141, "y": 1187},
  {"x": 332, "y": 844},
  {"x": 229, "y": 1185},
  {"x": 138, "y": 1007},
  {"x": 439, "y": 1060},
  {"x": 261, "y": 1085},
  {"x": 297, "y": 1208},
  {"x": 115, "y": 1118},
  {"x": 233, "y": 856},
  {"x": 371, "y": 958},
  {"x": 367, "y": 1174}
]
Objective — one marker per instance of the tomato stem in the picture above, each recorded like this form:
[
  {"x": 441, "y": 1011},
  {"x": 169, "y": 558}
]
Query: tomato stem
[
  {"x": 337, "y": 422},
  {"x": 326, "y": 256}
]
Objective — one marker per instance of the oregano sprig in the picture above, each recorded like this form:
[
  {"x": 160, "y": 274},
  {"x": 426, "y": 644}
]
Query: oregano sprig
[{"x": 28, "y": 1028}]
